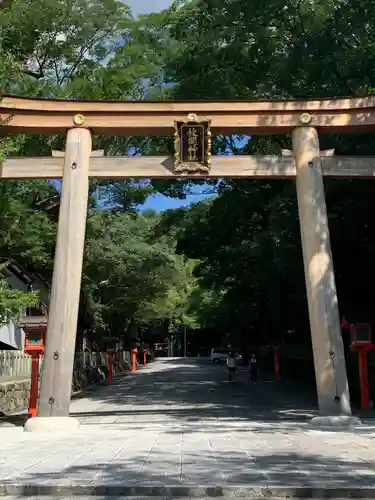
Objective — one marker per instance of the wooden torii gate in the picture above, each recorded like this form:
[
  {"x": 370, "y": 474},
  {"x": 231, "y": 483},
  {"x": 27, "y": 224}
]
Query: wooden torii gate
[{"x": 80, "y": 120}]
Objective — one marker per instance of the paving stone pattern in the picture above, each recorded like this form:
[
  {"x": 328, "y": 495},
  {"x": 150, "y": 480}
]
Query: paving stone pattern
[{"x": 180, "y": 423}]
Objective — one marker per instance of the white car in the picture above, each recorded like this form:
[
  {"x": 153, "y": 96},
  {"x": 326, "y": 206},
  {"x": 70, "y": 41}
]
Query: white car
[{"x": 218, "y": 355}]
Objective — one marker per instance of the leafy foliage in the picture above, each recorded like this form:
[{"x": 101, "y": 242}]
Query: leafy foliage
[
  {"x": 87, "y": 49},
  {"x": 247, "y": 239},
  {"x": 232, "y": 264},
  {"x": 12, "y": 302}
]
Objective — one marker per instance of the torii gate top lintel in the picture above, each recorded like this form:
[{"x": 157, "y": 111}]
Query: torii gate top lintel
[{"x": 142, "y": 118}]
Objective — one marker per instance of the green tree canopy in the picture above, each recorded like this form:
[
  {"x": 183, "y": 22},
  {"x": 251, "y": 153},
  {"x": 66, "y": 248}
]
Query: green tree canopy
[{"x": 231, "y": 264}]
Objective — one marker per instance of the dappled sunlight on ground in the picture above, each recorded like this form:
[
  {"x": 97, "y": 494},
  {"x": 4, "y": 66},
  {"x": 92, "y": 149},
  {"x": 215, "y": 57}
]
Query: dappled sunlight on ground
[{"x": 179, "y": 423}]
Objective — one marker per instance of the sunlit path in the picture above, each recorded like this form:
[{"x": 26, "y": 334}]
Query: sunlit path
[
  {"x": 180, "y": 424},
  {"x": 189, "y": 392}
]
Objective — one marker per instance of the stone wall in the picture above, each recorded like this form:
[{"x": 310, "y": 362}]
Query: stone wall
[
  {"x": 14, "y": 393},
  {"x": 14, "y": 396}
]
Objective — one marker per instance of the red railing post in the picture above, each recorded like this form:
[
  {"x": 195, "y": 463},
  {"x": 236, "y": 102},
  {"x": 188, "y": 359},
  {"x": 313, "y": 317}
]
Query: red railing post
[{"x": 34, "y": 389}]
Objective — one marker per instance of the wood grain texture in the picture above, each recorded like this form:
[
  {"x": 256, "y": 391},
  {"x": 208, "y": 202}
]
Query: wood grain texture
[
  {"x": 66, "y": 282},
  {"x": 147, "y": 167},
  {"x": 94, "y": 154},
  {"x": 141, "y": 118},
  {"x": 12, "y": 103},
  {"x": 331, "y": 379}
]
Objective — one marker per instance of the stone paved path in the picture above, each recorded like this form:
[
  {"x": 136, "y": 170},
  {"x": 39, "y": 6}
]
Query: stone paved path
[{"x": 179, "y": 423}]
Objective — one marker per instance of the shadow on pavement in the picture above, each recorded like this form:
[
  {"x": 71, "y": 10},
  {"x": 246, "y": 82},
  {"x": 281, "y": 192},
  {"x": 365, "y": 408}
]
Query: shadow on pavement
[
  {"x": 188, "y": 391},
  {"x": 136, "y": 475},
  {"x": 13, "y": 420},
  {"x": 193, "y": 389},
  {"x": 189, "y": 433}
]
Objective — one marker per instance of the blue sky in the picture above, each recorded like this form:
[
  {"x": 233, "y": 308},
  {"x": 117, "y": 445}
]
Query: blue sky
[
  {"x": 159, "y": 202},
  {"x": 146, "y": 6}
]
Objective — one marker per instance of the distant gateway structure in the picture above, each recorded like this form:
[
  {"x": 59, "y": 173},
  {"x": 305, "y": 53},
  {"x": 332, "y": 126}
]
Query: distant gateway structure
[{"x": 192, "y": 124}]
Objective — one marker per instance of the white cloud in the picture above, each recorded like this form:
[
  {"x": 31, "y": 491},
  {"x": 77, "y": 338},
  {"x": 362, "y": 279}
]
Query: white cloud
[{"x": 147, "y": 6}]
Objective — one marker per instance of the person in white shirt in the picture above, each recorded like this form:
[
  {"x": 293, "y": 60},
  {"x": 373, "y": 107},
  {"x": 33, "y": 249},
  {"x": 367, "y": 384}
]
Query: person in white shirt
[{"x": 231, "y": 363}]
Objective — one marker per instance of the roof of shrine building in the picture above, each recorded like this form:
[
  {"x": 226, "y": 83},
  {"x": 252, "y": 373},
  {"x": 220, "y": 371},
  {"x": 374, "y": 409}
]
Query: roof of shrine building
[{"x": 24, "y": 114}]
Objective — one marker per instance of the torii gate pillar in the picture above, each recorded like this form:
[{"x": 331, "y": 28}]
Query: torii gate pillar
[
  {"x": 56, "y": 384},
  {"x": 328, "y": 348}
]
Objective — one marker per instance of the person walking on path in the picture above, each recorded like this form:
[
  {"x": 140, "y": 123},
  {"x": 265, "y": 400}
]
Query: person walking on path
[
  {"x": 231, "y": 363},
  {"x": 253, "y": 369}
]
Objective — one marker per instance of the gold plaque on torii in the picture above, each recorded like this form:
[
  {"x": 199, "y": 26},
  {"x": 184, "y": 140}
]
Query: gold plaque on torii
[{"x": 192, "y": 145}]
